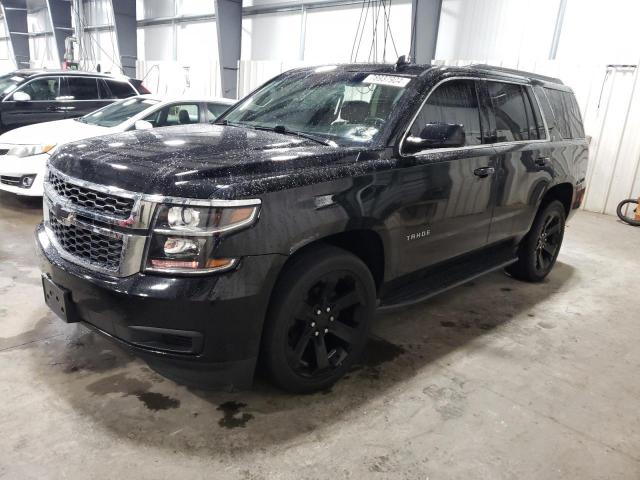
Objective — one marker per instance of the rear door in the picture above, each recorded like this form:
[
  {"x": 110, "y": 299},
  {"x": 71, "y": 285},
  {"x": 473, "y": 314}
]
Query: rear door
[
  {"x": 523, "y": 153},
  {"x": 80, "y": 96},
  {"x": 43, "y": 106},
  {"x": 447, "y": 193}
]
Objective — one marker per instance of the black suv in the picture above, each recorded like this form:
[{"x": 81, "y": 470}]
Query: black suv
[
  {"x": 34, "y": 96},
  {"x": 274, "y": 235}
]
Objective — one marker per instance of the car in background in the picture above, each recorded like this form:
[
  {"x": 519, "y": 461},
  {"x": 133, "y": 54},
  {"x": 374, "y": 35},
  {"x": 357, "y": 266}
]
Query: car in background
[
  {"x": 24, "y": 151},
  {"x": 35, "y": 96}
]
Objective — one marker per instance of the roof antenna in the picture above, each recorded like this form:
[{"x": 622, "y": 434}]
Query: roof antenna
[{"x": 403, "y": 60}]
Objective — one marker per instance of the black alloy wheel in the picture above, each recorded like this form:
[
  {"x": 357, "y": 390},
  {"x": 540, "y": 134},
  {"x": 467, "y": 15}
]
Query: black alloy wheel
[
  {"x": 539, "y": 249},
  {"x": 318, "y": 320}
]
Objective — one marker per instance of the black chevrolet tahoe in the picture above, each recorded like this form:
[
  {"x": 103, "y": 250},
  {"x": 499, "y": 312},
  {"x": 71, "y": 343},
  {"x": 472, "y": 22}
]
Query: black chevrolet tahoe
[{"x": 271, "y": 237}]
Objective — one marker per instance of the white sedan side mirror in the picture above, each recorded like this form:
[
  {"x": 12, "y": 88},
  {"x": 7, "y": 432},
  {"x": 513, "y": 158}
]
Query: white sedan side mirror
[
  {"x": 22, "y": 97},
  {"x": 142, "y": 125}
]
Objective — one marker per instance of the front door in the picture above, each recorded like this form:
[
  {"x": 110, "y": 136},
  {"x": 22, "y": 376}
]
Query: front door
[
  {"x": 447, "y": 192},
  {"x": 43, "y": 105}
]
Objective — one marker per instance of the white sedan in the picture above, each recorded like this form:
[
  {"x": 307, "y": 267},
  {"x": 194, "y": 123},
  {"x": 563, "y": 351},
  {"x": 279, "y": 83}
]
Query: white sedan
[{"x": 24, "y": 151}]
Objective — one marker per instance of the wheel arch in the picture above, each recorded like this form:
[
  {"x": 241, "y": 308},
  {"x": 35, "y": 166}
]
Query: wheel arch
[{"x": 563, "y": 192}]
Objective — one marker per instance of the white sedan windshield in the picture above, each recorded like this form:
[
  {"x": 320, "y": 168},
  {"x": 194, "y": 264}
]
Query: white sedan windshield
[{"x": 118, "y": 112}]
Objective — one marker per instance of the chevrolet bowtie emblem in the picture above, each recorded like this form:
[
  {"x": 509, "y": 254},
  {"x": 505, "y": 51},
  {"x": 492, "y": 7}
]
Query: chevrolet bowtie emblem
[{"x": 68, "y": 220}]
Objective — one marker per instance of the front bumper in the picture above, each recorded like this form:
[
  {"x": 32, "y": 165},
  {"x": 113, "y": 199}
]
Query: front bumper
[
  {"x": 202, "y": 331},
  {"x": 16, "y": 168}
]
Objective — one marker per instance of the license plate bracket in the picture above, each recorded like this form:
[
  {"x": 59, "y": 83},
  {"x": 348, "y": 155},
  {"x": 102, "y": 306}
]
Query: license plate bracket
[{"x": 58, "y": 299}]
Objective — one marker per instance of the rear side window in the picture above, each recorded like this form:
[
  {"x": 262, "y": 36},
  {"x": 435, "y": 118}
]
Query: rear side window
[
  {"x": 120, "y": 89},
  {"x": 513, "y": 112},
  {"x": 82, "y": 88},
  {"x": 454, "y": 102},
  {"x": 566, "y": 113},
  {"x": 214, "y": 110}
]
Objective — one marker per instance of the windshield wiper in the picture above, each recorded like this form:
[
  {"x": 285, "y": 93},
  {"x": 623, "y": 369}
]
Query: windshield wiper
[
  {"x": 285, "y": 131},
  {"x": 226, "y": 122}
]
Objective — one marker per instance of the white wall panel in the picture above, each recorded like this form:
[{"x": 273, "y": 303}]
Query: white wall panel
[
  {"x": 175, "y": 79},
  {"x": 273, "y": 36},
  {"x": 196, "y": 42}
]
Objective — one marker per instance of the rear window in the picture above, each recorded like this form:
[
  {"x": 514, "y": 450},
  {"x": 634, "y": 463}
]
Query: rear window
[{"x": 566, "y": 112}]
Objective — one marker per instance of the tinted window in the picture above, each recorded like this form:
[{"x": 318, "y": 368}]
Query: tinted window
[
  {"x": 120, "y": 89},
  {"x": 510, "y": 110},
  {"x": 82, "y": 88},
  {"x": 538, "y": 121},
  {"x": 566, "y": 112},
  {"x": 181, "y": 114},
  {"x": 42, "y": 89},
  {"x": 454, "y": 102},
  {"x": 214, "y": 110}
]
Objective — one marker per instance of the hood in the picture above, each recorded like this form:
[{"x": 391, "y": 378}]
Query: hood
[
  {"x": 58, "y": 132},
  {"x": 201, "y": 161}
]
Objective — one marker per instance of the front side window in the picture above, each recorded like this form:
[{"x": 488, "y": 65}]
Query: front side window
[
  {"x": 118, "y": 112},
  {"x": 345, "y": 107},
  {"x": 177, "y": 114},
  {"x": 82, "y": 88},
  {"x": 42, "y": 89},
  {"x": 510, "y": 110},
  {"x": 454, "y": 103}
]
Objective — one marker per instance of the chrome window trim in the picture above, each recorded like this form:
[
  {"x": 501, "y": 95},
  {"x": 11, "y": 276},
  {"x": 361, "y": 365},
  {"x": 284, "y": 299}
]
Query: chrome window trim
[{"x": 468, "y": 147}]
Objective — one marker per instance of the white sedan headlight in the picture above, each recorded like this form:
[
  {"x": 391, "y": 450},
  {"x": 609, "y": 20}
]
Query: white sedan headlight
[{"x": 30, "y": 150}]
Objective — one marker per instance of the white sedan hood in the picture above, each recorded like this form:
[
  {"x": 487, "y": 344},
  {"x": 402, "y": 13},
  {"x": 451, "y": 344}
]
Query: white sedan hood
[{"x": 57, "y": 132}]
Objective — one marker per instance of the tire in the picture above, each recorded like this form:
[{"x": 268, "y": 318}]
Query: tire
[
  {"x": 621, "y": 205},
  {"x": 539, "y": 249},
  {"x": 318, "y": 320}
]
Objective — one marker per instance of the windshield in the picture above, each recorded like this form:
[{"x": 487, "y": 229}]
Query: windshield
[
  {"x": 8, "y": 83},
  {"x": 118, "y": 112},
  {"x": 345, "y": 107}
]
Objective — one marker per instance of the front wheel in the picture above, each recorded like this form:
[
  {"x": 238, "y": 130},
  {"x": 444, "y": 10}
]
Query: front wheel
[
  {"x": 319, "y": 319},
  {"x": 539, "y": 249},
  {"x": 631, "y": 207}
]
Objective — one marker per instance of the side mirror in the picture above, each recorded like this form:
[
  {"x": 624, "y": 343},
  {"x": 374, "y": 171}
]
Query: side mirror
[
  {"x": 21, "y": 97},
  {"x": 437, "y": 135},
  {"x": 142, "y": 125}
]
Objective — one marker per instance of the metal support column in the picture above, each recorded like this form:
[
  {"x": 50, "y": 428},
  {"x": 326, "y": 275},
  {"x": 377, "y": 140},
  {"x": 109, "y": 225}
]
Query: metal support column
[
  {"x": 425, "y": 21},
  {"x": 557, "y": 30},
  {"x": 124, "y": 14},
  {"x": 229, "y": 27},
  {"x": 15, "y": 15},
  {"x": 60, "y": 15}
]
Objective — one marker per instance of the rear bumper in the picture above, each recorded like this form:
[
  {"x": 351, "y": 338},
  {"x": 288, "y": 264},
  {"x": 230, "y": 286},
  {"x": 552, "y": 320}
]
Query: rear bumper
[{"x": 202, "y": 331}]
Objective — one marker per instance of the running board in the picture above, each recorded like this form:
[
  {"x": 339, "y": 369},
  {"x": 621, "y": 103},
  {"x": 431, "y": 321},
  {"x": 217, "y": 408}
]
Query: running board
[{"x": 445, "y": 277}]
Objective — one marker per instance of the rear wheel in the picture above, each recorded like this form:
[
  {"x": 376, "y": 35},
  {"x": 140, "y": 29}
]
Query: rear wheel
[
  {"x": 627, "y": 211},
  {"x": 539, "y": 249},
  {"x": 318, "y": 320}
]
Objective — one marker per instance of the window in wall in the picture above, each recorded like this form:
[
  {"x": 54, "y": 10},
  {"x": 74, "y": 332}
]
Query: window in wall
[
  {"x": 454, "y": 102},
  {"x": 509, "y": 107},
  {"x": 43, "y": 89},
  {"x": 81, "y": 88}
]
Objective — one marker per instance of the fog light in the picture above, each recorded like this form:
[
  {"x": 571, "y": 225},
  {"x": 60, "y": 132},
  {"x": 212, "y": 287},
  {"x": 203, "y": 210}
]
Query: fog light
[{"x": 27, "y": 181}]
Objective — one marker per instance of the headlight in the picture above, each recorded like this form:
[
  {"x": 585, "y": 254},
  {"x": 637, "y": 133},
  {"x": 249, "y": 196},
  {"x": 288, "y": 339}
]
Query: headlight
[
  {"x": 29, "y": 150},
  {"x": 183, "y": 238}
]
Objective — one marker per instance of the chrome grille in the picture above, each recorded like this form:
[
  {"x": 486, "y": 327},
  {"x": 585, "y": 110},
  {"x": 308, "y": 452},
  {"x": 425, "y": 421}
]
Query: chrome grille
[
  {"x": 97, "y": 249},
  {"x": 90, "y": 199}
]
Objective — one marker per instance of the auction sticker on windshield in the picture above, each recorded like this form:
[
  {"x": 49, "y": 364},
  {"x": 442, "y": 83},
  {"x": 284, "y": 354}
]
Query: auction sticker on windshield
[{"x": 390, "y": 80}]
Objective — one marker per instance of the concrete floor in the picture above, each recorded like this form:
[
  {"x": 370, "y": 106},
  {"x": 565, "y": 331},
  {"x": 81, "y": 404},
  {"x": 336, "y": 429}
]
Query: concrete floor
[{"x": 496, "y": 379}]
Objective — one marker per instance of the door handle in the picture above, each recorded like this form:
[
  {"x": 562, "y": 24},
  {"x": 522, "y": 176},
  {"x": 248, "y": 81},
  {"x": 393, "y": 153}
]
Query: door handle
[
  {"x": 52, "y": 108},
  {"x": 484, "y": 172},
  {"x": 542, "y": 161}
]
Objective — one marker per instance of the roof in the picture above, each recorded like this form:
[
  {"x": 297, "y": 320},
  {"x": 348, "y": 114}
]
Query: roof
[
  {"x": 170, "y": 99},
  {"x": 43, "y": 71}
]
